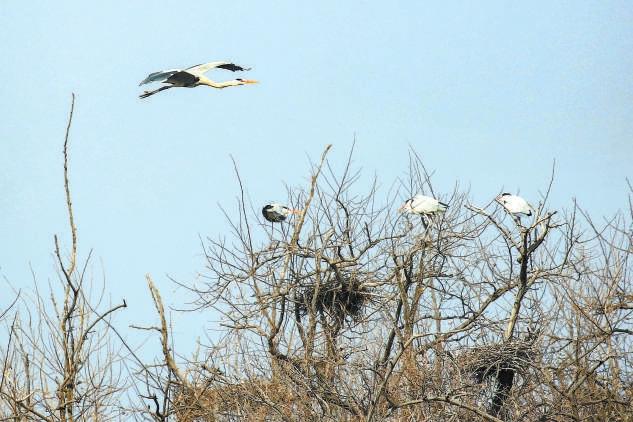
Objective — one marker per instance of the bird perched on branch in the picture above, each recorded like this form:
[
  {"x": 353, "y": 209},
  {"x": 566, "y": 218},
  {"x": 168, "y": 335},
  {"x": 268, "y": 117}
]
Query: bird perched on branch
[
  {"x": 422, "y": 205},
  {"x": 514, "y": 204},
  {"x": 276, "y": 213},
  {"x": 193, "y": 77}
]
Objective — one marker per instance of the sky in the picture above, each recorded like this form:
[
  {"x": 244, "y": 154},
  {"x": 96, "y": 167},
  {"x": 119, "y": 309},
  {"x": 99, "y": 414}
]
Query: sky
[{"x": 489, "y": 93}]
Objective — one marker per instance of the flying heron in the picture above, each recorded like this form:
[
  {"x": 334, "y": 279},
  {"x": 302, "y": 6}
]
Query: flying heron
[{"x": 193, "y": 77}]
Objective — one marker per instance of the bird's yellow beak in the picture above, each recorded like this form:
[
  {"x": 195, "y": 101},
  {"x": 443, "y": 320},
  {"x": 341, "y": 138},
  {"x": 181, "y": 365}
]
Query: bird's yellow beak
[{"x": 250, "y": 81}]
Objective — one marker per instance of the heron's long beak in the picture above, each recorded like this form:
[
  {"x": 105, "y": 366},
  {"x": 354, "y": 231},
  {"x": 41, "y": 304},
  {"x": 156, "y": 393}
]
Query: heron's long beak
[
  {"x": 250, "y": 81},
  {"x": 401, "y": 209}
]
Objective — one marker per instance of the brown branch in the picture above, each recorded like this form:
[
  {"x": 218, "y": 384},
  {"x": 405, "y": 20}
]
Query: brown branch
[
  {"x": 158, "y": 303},
  {"x": 454, "y": 402},
  {"x": 293, "y": 245},
  {"x": 69, "y": 204}
]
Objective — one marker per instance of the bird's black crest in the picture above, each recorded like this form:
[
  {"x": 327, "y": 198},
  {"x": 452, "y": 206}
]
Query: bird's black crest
[{"x": 506, "y": 194}]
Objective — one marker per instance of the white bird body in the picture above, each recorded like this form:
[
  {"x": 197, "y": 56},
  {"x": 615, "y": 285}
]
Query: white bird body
[
  {"x": 514, "y": 204},
  {"x": 193, "y": 77},
  {"x": 423, "y": 205},
  {"x": 276, "y": 213}
]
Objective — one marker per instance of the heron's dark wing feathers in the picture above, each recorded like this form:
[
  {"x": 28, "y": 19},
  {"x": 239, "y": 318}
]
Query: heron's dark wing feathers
[
  {"x": 183, "y": 78},
  {"x": 159, "y": 76},
  {"x": 199, "y": 69},
  {"x": 233, "y": 67}
]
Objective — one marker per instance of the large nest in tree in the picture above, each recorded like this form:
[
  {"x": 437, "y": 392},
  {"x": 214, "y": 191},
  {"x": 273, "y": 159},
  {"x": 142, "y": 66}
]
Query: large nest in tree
[
  {"x": 252, "y": 399},
  {"x": 486, "y": 361},
  {"x": 338, "y": 298}
]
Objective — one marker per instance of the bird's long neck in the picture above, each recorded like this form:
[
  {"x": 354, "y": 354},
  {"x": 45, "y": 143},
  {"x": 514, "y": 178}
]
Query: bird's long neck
[{"x": 213, "y": 84}]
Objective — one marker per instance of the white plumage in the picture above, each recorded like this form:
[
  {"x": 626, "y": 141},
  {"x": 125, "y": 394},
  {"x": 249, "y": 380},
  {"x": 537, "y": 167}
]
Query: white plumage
[
  {"x": 514, "y": 204},
  {"x": 423, "y": 205}
]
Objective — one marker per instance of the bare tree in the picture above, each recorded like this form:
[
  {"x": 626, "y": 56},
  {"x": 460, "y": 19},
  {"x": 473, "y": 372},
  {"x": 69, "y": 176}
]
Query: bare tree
[
  {"x": 59, "y": 362},
  {"x": 352, "y": 311},
  {"x": 355, "y": 312}
]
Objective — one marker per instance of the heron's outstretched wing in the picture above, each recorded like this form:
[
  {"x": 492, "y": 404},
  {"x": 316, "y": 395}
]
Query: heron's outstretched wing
[
  {"x": 159, "y": 76},
  {"x": 199, "y": 69}
]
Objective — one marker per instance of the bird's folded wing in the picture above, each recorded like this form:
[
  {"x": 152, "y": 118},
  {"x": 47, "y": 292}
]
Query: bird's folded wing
[
  {"x": 420, "y": 201},
  {"x": 159, "y": 76},
  {"x": 199, "y": 69}
]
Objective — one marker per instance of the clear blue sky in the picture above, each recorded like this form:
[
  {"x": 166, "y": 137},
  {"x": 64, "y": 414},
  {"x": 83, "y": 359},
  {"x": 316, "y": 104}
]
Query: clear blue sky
[{"x": 489, "y": 93}]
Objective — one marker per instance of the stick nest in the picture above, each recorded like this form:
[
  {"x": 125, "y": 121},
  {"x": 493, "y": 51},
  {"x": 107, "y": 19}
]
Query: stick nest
[
  {"x": 339, "y": 298},
  {"x": 486, "y": 361}
]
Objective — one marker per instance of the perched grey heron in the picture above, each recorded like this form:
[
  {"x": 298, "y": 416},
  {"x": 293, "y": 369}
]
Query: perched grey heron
[
  {"x": 514, "y": 204},
  {"x": 276, "y": 213},
  {"x": 193, "y": 77},
  {"x": 422, "y": 205}
]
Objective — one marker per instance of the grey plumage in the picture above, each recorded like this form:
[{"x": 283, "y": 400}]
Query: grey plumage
[{"x": 276, "y": 213}]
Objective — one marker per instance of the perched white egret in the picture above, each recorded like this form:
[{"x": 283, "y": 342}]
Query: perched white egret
[
  {"x": 514, "y": 204},
  {"x": 276, "y": 213},
  {"x": 423, "y": 205},
  {"x": 193, "y": 77}
]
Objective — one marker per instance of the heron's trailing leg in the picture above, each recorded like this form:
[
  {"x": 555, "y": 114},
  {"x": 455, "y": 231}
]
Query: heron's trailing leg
[{"x": 149, "y": 93}]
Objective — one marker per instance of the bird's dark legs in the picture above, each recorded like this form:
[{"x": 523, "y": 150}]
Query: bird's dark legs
[{"x": 148, "y": 93}]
